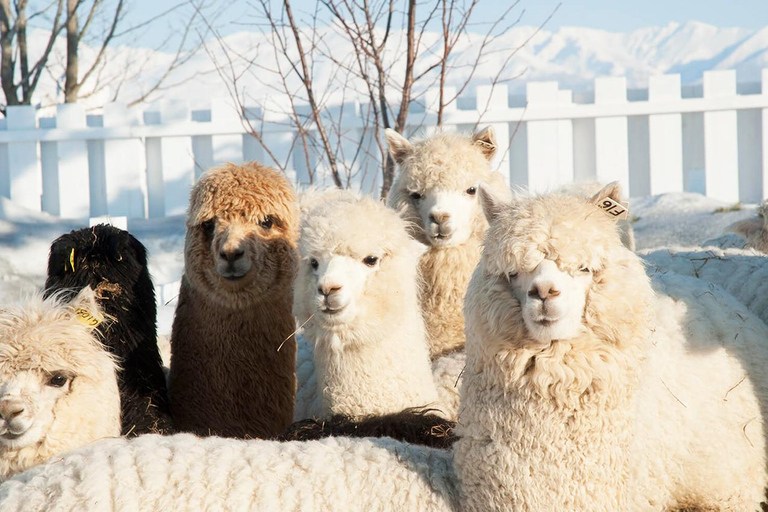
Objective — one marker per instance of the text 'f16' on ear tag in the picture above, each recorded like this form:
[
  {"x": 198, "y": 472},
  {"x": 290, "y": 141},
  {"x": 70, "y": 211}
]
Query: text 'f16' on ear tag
[
  {"x": 614, "y": 208},
  {"x": 86, "y": 317}
]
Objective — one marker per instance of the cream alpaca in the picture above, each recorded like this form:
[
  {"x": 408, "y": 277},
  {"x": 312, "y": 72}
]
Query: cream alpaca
[
  {"x": 436, "y": 191},
  {"x": 356, "y": 294},
  {"x": 585, "y": 391},
  {"x": 58, "y": 387}
]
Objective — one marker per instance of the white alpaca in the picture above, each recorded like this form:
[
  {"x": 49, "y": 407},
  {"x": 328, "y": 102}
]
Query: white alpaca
[
  {"x": 742, "y": 272},
  {"x": 58, "y": 387},
  {"x": 356, "y": 295},
  {"x": 586, "y": 391},
  {"x": 436, "y": 191}
]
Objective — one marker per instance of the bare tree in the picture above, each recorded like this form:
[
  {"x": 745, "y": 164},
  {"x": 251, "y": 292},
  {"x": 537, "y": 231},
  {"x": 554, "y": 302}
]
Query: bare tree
[{"x": 14, "y": 49}]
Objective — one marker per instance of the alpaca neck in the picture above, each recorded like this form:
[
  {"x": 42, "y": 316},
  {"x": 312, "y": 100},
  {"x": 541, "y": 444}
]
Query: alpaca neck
[
  {"x": 232, "y": 370},
  {"x": 446, "y": 273},
  {"x": 379, "y": 367}
]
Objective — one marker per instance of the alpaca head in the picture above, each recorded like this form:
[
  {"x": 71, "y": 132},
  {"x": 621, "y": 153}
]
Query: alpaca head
[
  {"x": 754, "y": 229},
  {"x": 437, "y": 184},
  {"x": 58, "y": 385},
  {"x": 554, "y": 268},
  {"x": 356, "y": 259},
  {"x": 241, "y": 234}
]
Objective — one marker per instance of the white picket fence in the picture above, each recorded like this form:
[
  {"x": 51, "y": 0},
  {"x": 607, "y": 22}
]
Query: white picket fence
[{"x": 142, "y": 164}]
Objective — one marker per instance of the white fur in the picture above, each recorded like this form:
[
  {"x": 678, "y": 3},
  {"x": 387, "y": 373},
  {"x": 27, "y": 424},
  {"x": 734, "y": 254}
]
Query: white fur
[
  {"x": 183, "y": 472},
  {"x": 742, "y": 272},
  {"x": 356, "y": 294}
]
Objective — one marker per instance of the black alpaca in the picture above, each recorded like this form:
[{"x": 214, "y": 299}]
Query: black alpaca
[{"x": 114, "y": 263}]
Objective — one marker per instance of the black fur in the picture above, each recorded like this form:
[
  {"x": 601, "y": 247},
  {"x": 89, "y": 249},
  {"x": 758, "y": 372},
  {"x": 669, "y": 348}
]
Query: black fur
[
  {"x": 114, "y": 263},
  {"x": 415, "y": 426}
]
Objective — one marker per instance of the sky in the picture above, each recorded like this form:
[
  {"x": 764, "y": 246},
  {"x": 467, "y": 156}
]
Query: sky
[{"x": 613, "y": 15}]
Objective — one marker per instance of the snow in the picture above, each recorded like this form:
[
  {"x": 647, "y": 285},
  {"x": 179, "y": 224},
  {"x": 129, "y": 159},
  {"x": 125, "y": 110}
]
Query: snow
[{"x": 25, "y": 237}]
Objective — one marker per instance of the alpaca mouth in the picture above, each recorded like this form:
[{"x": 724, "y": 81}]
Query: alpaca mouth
[{"x": 332, "y": 311}]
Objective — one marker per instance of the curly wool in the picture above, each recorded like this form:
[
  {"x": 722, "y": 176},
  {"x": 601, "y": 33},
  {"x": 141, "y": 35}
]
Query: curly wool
[
  {"x": 657, "y": 405},
  {"x": 183, "y": 472}
]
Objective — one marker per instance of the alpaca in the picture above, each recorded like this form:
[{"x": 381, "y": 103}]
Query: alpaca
[
  {"x": 58, "y": 388},
  {"x": 185, "y": 472},
  {"x": 436, "y": 191},
  {"x": 356, "y": 296},
  {"x": 232, "y": 350},
  {"x": 585, "y": 390},
  {"x": 114, "y": 263},
  {"x": 751, "y": 233},
  {"x": 742, "y": 272}
]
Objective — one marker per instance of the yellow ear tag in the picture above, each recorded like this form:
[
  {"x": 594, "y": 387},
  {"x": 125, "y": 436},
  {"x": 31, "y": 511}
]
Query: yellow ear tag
[
  {"x": 86, "y": 317},
  {"x": 72, "y": 259},
  {"x": 614, "y": 208}
]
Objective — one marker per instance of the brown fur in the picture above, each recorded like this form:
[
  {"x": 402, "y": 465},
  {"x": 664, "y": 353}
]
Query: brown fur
[{"x": 227, "y": 376}]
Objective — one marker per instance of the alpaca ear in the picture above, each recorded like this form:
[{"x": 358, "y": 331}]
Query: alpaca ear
[
  {"x": 492, "y": 204},
  {"x": 399, "y": 147},
  {"x": 608, "y": 199},
  {"x": 85, "y": 308},
  {"x": 486, "y": 141}
]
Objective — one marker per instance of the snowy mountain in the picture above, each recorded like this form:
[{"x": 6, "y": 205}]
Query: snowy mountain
[{"x": 571, "y": 55}]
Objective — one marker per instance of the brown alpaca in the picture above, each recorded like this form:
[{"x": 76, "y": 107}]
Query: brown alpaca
[{"x": 227, "y": 376}]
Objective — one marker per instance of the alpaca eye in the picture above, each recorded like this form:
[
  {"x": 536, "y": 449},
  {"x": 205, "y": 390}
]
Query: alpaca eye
[
  {"x": 471, "y": 191},
  {"x": 371, "y": 261},
  {"x": 208, "y": 226},
  {"x": 57, "y": 380},
  {"x": 267, "y": 222},
  {"x": 512, "y": 275},
  {"x": 416, "y": 196},
  {"x": 585, "y": 270},
  {"x": 313, "y": 263}
]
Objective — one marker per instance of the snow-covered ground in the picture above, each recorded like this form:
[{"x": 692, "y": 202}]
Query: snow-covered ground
[{"x": 668, "y": 219}]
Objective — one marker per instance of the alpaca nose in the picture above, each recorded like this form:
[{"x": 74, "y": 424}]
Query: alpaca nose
[
  {"x": 439, "y": 217},
  {"x": 543, "y": 290},
  {"x": 232, "y": 255},
  {"x": 328, "y": 289},
  {"x": 9, "y": 409}
]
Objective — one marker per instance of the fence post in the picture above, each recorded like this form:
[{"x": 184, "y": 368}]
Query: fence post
[
  {"x": 24, "y": 167},
  {"x": 721, "y": 151},
  {"x": 227, "y": 148},
  {"x": 495, "y": 98},
  {"x": 665, "y": 136},
  {"x": 611, "y": 142},
  {"x": 566, "y": 171},
  {"x": 73, "y": 171},
  {"x": 764, "y": 90},
  {"x": 126, "y": 165},
  {"x": 543, "y": 148}
]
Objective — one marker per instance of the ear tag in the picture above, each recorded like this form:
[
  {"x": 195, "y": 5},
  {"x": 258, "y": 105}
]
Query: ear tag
[
  {"x": 86, "y": 317},
  {"x": 72, "y": 259},
  {"x": 614, "y": 208}
]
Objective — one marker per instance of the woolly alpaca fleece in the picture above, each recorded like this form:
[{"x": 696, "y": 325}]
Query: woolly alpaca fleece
[
  {"x": 227, "y": 375},
  {"x": 435, "y": 191},
  {"x": 183, "y": 472},
  {"x": 114, "y": 263},
  {"x": 58, "y": 385},
  {"x": 743, "y": 273},
  {"x": 356, "y": 296},
  {"x": 656, "y": 403}
]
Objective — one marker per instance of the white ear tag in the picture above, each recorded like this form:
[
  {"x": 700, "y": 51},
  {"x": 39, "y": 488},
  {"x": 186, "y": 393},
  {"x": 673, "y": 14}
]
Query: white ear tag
[{"x": 614, "y": 208}]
